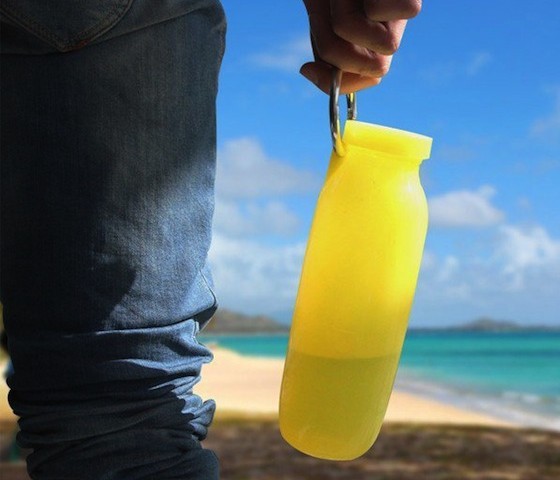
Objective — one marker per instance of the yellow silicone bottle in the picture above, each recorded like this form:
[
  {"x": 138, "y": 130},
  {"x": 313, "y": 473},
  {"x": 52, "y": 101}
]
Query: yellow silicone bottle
[{"x": 356, "y": 289}]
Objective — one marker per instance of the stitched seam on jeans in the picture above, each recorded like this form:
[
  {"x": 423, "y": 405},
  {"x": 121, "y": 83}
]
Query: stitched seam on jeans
[
  {"x": 29, "y": 23},
  {"x": 210, "y": 289},
  {"x": 110, "y": 18}
]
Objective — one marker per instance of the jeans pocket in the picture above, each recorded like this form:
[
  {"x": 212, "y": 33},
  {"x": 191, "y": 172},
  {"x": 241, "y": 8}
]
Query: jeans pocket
[{"x": 66, "y": 25}]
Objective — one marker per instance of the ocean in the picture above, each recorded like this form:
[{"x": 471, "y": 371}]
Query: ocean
[{"x": 514, "y": 376}]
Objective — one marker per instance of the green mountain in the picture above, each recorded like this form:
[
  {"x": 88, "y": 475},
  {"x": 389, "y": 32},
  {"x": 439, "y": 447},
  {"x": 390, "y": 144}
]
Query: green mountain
[
  {"x": 486, "y": 324},
  {"x": 226, "y": 321}
]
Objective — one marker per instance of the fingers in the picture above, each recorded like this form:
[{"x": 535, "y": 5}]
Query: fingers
[
  {"x": 350, "y": 23},
  {"x": 320, "y": 74},
  {"x": 357, "y": 36},
  {"x": 347, "y": 55},
  {"x": 384, "y": 10}
]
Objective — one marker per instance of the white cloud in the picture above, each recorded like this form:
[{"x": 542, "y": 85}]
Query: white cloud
[
  {"x": 246, "y": 171},
  {"x": 288, "y": 57},
  {"x": 252, "y": 190},
  {"x": 503, "y": 270},
  {"x": 443, "y": 279},
  {"x": 257, "y": 250},
  {"x": 465, "y": 208},
  {"x": 429, "y": 260},
  {"x": 524, "y": 250},
  {"x": 517, "y": 276},
  {"x": 449, "y": 267},
  {"x": 240, "y": 219},
  {"x": 253, "y": 277}
]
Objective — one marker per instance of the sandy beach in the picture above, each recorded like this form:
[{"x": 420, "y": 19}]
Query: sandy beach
[
  {"x": 249, "y": 386},
  {"x": 6, "y": 413},
  {"x": 422, "y": 439}
]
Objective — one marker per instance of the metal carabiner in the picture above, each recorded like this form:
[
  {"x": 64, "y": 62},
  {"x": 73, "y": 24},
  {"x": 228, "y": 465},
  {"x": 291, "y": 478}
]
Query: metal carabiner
[{"x": 351, "y": 111}]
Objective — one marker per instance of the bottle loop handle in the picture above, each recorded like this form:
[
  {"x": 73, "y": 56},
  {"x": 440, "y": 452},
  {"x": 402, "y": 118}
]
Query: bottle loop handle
[{"x": 351, "y": 111}]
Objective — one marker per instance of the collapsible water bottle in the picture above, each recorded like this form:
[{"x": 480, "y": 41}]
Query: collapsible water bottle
[{"x": 356, "y": 289}]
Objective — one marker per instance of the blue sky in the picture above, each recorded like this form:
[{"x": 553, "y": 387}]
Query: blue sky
[{"x": 481, "y": 78}]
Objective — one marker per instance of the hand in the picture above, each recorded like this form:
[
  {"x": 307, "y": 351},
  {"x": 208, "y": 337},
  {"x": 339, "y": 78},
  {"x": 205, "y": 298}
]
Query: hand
[{"x": 357, "y": 36}]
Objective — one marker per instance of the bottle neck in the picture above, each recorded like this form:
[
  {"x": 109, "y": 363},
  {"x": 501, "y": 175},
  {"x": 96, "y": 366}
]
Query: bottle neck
[
  {"x": 372, "y": 164},
  {"x": 396, "y": 146}
]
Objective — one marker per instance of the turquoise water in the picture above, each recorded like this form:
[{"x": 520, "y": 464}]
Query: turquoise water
[{"x": 514, "y": 375}]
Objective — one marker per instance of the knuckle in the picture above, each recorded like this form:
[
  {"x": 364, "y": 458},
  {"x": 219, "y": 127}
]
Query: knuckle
[
  {"x": 384, "y": 68},
  {"x": 411, "y": 8},
  {"x": 389, "y": 45},
  {"x": 416, "y": 7},
  {"x": 379, "y": 66}
]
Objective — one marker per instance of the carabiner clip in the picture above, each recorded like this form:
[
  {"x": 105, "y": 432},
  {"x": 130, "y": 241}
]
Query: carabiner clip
[{"x": 351, "y": 111}]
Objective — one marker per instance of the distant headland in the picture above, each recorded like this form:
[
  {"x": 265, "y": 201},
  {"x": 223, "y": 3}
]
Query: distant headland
[
  {"x": 486, "y": 324},
  {"x": 225, "y": 321},
  {"x": 229, "y": 322}
]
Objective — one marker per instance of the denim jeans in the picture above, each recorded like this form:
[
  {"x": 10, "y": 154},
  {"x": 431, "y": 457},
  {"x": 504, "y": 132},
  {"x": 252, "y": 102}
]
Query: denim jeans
[{"x": 107, "y": 177}]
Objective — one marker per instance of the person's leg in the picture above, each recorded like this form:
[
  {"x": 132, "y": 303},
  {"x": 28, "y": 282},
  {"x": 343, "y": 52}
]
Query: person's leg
[{"x": 107, "y": 173}]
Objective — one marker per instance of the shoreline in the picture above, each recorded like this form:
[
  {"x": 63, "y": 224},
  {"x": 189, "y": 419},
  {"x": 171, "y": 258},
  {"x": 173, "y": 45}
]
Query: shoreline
[{"x": 249, "y": 386}]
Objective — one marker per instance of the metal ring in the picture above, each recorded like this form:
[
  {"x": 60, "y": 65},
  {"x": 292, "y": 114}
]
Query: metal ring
[{"x": 351, "y": 111}]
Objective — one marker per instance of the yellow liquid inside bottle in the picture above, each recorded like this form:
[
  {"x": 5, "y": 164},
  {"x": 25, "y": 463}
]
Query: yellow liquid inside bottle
[
  {"x": 355, "y": 294},
  {"x": 338, "y": 407}
]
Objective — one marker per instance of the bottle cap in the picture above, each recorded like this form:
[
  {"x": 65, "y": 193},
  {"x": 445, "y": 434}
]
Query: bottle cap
[{"x": 387, "y": 140}]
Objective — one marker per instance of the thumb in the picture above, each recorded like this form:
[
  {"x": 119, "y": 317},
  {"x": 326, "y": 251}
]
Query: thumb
[{"x": 309, "y": 71}]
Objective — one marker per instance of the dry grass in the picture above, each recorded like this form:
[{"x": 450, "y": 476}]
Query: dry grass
[{"x": 252, "y": 449}]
